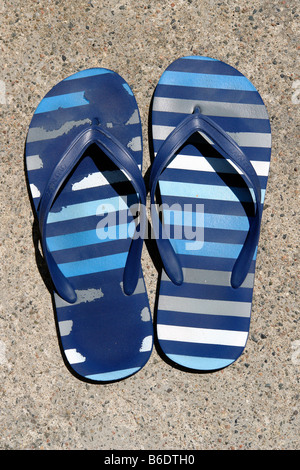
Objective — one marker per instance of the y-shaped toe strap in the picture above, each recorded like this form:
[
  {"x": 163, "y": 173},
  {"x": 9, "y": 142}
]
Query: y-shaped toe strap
[
  {"x": 229, "y": 149},
  {"x": 122, "y": 158}
]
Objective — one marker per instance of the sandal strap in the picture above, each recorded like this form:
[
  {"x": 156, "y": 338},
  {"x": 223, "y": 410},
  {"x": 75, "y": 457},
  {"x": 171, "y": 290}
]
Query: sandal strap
[
  {"x": 229, "y": 149},
  {"x": 123, "y": 159}
]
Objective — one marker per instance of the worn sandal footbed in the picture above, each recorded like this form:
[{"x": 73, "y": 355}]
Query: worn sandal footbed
[{"x": 83, "y": 160}]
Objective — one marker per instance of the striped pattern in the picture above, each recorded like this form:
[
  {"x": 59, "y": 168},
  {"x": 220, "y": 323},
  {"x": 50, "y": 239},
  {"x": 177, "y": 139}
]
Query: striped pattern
[
  {"x": 105, "y": 334},
  {"x": 204, "y": 323}
]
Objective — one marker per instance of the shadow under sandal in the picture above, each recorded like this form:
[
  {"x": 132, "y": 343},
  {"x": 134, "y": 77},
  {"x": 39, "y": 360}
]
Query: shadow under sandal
[
  {"x": 83, "y": 163},
  {"x": 212, "y": 146}
]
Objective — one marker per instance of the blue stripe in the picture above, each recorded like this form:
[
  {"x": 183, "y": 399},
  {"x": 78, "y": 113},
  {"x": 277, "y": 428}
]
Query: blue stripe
[
  {"x": 176, "y": 232},
  {"x": 86, "y": 223},
  {"x": 90, "y": 84},
  {"x": 207, "y": 66},
  {"x": 215, "y": 207},
  {"x": 128, "y": 89},
  {"x": 68, "y": 198},
  {"x": 88, "y": 73},
  {"x": 206, "y": 291},
  {"x": 200, "y": 363},
  {"x": 199, "y": 57},
  {"x": 209, "y": 249},
  {"x": 193, "y": 320},
  {"x": 260, "y": 154},
  {"x": 69, "y": 100},
  {"x": 94, "y": 265},
  {"x": 88, "y": 195},
  {"x": 205, "y": 191},
  {"x": 201, "y": 350},
  {"x": 114, "y": 375},
  {"x": 85, "y": 209},
  {"x": 96, "y": 280},
  {"x": 221, "y": 176},
  {"x": 223, "y": 82},
  {"x": 253, "y": 153},
  {"x": 208, "y": 262},
  {"x": 220, "y": 221},
  {"x": 110, "y": 247},
  {"x": 197, "y": 232},
  {"x": 206, "y": 94},
  {"x": 218, "y": 235},
  {"x": 229, "y": 124},
  {"x": 90, "y": 237}
]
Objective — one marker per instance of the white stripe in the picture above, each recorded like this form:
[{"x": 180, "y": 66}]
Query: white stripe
[
  {"x": 34, "y": 191},
  {"x": 201, "y": 335},
  {"x": 146, "y": 344},
  {"x": 74, "y": 357},
  {"x": 244, "y": 139},
  {"x": 97, "y": 179},
  {"x": 197, "y": 163}
]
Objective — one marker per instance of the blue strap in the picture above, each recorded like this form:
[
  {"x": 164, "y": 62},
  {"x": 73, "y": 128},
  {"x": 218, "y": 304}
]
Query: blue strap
[
  {"x": 123, "y": 160},
  {"x": 229, "y": 149}
]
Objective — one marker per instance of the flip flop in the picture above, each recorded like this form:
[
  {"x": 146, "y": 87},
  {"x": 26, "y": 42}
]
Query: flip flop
[
  {"x": 83, "y": 164},
  {"x": 212, "y": 146}
]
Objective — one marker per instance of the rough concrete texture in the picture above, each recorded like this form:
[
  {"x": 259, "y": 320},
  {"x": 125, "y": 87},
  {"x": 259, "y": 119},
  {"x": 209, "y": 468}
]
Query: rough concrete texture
[{"x": 253, "y": 404}]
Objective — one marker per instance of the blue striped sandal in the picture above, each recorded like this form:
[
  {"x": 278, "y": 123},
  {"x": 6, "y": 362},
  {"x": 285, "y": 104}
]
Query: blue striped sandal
[
  {"x": 212, "y": 147},
  {"x": 83, "y": 164}
]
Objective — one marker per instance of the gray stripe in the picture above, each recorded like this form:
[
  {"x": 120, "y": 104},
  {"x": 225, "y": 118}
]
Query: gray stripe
[
  {"x": 251, "y": 139},
  {"x": 210, "y": 108},
  {"x": 204, "y": 306},
  {"x": 210, "y": 277},
  {"x": 87, "y": 295},
  {"x": 65, "y": 327},
  {"x": 34, "y": 162},
  {"x": 134, "y": 119},
  {"x": 244, "y": 139},
  {"x": 140, "y": 287},
  {"x": 36, "y": 134},
  {"x": 135, "y": 144},
  {"x": 145, "y": 314}
]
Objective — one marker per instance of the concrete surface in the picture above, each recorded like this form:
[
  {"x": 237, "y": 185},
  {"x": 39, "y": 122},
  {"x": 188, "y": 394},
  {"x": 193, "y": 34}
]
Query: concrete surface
[{"x": 253, "y": 404}]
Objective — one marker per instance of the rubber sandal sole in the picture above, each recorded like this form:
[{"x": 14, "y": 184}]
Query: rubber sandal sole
[
  {"x": 204, "y": 323},
  {"x": 105, "y": 335}
]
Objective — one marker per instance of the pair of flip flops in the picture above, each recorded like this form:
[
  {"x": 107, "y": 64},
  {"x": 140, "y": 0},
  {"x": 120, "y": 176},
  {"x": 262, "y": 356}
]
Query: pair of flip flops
[{"x": 211, "y": 144}]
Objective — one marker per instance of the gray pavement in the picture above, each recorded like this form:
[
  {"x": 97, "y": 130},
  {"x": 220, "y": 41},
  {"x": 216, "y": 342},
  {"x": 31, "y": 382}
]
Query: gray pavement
[{"x": 253, "y": 404}]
